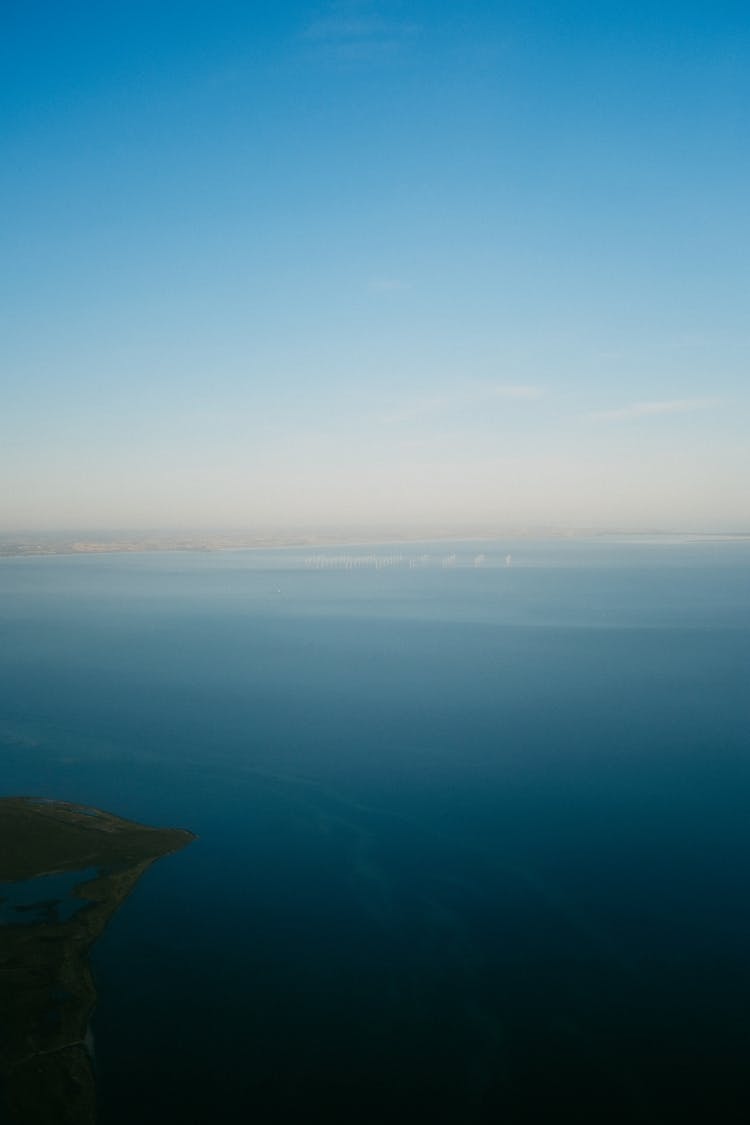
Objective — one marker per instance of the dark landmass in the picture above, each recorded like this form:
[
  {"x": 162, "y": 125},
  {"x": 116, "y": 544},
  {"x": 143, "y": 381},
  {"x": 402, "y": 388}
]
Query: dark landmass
[
  {"x": 14, "y": 544},
  {"x": 47, "y": 991}
]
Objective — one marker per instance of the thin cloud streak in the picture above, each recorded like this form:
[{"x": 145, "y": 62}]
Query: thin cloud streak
[
  {"x": 464, "y": 399},
  {"x": 388, "y": 285},
  {"x": 638, "y": 410},
  {"x": 351, "y": 31},
  {"x": 336, "y": 30}
]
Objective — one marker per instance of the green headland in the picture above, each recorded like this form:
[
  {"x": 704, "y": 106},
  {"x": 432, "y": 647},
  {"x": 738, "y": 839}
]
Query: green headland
[{"x": 64, "y": 871}]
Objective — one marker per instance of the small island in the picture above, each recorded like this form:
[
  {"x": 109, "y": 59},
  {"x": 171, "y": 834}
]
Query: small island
[{"x": 64, "y": 871}]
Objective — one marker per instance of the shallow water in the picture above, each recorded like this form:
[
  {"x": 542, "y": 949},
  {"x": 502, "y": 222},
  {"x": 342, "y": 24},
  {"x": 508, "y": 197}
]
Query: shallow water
[
  {"x": 474, "y": 842},
  {"x": 45, "y": 897}
]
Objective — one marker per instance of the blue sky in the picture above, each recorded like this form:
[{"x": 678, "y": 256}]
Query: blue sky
[{"x": 375, "y": 262}]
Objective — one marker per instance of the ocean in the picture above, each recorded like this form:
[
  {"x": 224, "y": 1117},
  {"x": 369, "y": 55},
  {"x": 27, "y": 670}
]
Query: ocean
[{"x": 473, "y": 824}]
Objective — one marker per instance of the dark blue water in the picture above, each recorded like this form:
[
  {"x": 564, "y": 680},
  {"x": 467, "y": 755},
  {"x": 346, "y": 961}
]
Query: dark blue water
[{"x": 474, "y": 838}]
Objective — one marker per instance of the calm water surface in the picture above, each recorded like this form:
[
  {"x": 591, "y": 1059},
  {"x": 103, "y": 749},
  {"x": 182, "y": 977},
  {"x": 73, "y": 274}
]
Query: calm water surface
[{"x": 474, "y": 838}]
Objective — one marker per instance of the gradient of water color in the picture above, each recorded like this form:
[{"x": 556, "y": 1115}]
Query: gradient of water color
[{"x": 473, "y": 842}]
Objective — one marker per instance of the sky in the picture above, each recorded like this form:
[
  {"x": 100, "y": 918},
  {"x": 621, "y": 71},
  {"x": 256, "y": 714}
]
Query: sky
[{"x": 374, "y": 262}]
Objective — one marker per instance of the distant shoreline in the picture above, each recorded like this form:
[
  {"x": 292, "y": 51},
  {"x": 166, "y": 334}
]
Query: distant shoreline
[{"x": 32, "y": 545}]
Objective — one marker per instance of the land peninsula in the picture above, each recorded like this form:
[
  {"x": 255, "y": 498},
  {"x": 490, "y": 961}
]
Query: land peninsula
[{"x": 64, "y": 871}]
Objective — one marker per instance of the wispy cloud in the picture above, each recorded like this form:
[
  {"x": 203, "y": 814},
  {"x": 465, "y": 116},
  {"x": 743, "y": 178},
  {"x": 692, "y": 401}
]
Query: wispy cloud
[
  {"x": 471, "y": 396},
  {"x": 388, "y": 285},
  {"x": 356, "y": 31},
  {"x": 638, "y": 410},
  {"x": 609, "y": 354},
  {"x": 335, "y": 28}
]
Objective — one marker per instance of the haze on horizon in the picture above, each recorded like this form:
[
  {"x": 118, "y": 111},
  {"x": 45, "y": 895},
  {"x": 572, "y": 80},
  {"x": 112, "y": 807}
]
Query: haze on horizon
[{"x": 372, "y": 262}]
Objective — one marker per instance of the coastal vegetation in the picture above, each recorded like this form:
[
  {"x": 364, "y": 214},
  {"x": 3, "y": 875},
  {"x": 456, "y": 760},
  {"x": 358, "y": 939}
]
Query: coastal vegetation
[{"x": 92, "y": 860}]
